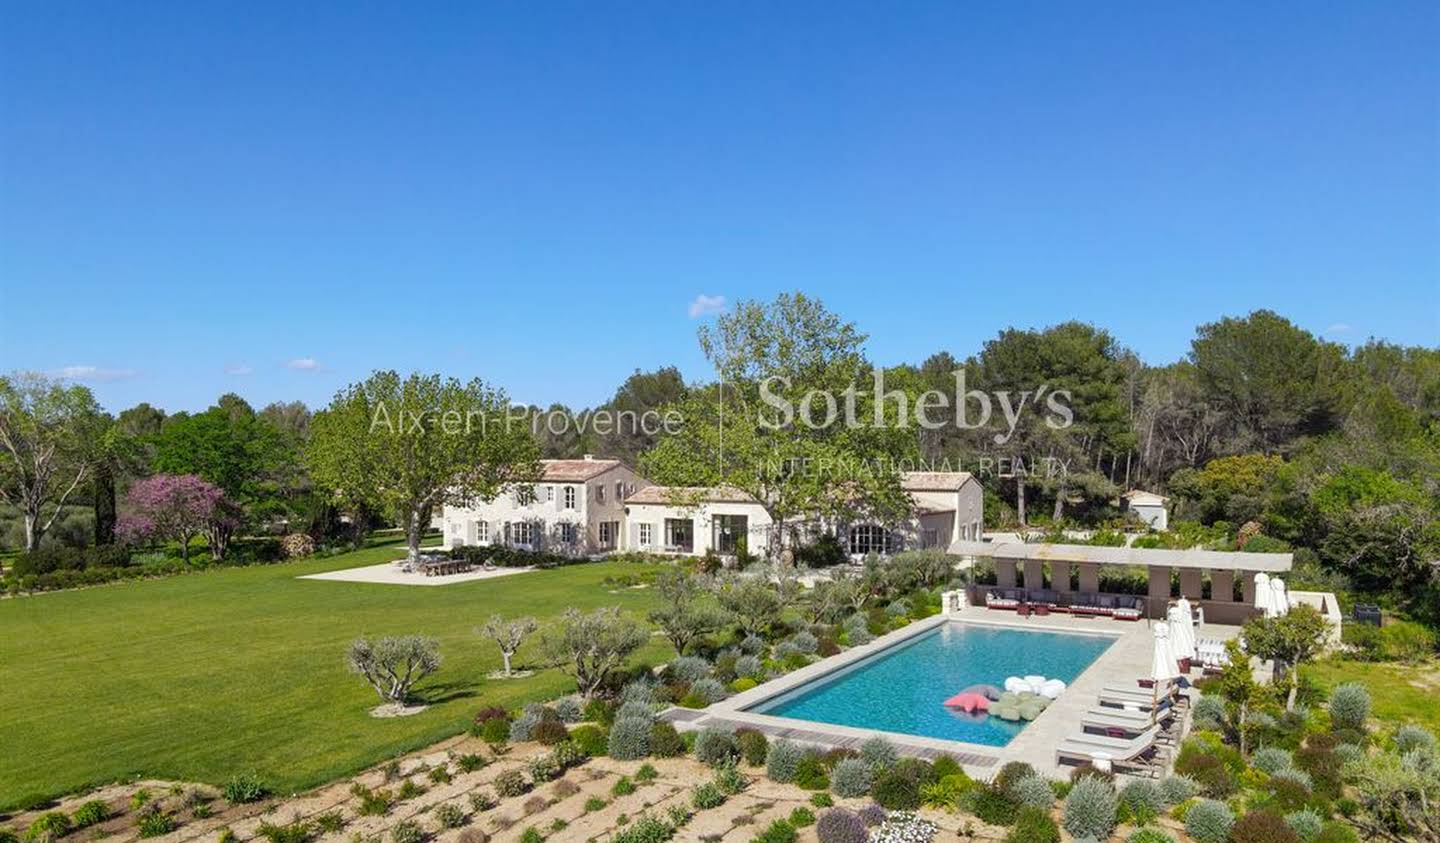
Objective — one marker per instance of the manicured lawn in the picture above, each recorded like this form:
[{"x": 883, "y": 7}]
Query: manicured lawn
[
  {"x": 1399, "y": 693},
  {"x": 200, "y": 677}
]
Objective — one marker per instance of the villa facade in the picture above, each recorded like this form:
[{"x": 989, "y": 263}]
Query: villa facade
[
  {"x": 576, "y": 507},
  {"x": 593, "y": 505}
]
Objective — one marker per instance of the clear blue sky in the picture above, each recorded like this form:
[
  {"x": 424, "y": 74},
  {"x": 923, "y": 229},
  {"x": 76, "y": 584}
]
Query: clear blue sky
[{"x": 194, "y": 196}]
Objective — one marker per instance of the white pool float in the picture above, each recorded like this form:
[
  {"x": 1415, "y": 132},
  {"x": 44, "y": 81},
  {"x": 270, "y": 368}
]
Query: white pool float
[
  {"x": 1052, "y": 689},
  {"x": 1035, "y": 682},
  {"x": 1016, "y": 684}
]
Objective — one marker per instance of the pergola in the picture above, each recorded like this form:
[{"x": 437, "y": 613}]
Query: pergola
[{"x": 1028, "y": 560}]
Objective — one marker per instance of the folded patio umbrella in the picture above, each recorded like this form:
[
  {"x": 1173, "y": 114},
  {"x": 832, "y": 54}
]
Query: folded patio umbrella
[
  {"x": 1278, "y": 598},
  {"x": 1163, "y": 665},
  {"x": 1263, "y": 595},
  {"x": 1178, "y": 627}
]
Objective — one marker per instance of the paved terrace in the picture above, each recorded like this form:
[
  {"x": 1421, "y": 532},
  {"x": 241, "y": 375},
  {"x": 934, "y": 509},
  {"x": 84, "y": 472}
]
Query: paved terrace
[{"x": 1124, "y": 662}]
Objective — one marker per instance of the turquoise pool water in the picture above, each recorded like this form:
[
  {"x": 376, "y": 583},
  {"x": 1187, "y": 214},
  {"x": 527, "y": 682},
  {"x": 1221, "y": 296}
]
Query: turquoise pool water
[{"x": 902, "y": 689}]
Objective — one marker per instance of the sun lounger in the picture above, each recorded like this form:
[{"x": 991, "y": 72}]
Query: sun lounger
[
  {"x": 1118, "y": 752},
  {"x": 1117, "y": 723},
  {"x": 1003, "y": 598},
  {"x": 1135, "y": 702}
]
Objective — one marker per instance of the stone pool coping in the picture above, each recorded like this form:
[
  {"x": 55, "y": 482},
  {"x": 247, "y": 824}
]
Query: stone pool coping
[{"x": 1124, "y": 660}]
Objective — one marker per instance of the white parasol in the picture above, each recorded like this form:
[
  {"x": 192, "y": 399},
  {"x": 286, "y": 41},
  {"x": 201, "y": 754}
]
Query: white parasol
[
  {"x": 1279, "y": 600},
  {"x": 1263, "y": 595},
  {"x": 1182, "y": 641}
]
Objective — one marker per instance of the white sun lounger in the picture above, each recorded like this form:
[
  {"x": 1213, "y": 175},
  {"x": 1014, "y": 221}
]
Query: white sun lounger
[
  {"x": 1119, "y": 752},
  {"x": 1131, "y": 723}
]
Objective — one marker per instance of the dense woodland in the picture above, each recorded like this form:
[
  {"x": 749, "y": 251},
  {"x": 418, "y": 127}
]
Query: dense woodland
[{"x": 1329, "y": 450}]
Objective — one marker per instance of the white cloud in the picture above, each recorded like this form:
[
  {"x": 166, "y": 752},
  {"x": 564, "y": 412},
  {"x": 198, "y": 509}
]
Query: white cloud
[
  {"x": 93, "y": 374},
  {"x": 704, "y": 305},
  {"x": 238, "y": 369},
  {"x": 1339, "y": 328},
  {"x": 304, "y": 364}
]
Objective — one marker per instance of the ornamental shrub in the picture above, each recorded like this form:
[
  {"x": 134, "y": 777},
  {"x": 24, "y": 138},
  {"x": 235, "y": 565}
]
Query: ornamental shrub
[
  {"x": 1149, "y": 835},
  {"x": 543, "y": 769},
  {"x": 592, "y": 740},
  {"x": 754, "y": 746},
  {"x": 804, "y": 642},
  {"x": 1349, "y": 706},
  {"x": 895, "y": 790},
  {"x": 407, "y": 831},
  {"x": 689, "y": 669},
  {"x": 857, "y": 631},
  {"x": 778, "y": 831},
  {"x": 752, "y": 644},
  {"x": 449, "y": 815},
  {"x": 646, "y": 829},
  {"x": 879, "y": 753},
  {"x": 1410, "y": 737},
  {"x": 511, "y": 783},
  {"x": 707, "y": 690},
  {"x": 1306, "y": 824},
  {"x": 244, "y": 788},
  {"x": 1010, "y": 774},
  {"x": 1033, "y": 825},
  {"x": 1143, "y": 798},
  {"x": 629, "y": 738},
  {"x": 1033, "y": 790},
  {"x": 1209, "y": 821},
  {"x": 1263, "y": 827},
  {"x": 1176, "y": 789},
  {"x": 716, "y": 747},
  {"x": 946, "y": 766},
  {"x": 1288, "y": 794},
  {"x": 992, "y": 806},
  {"x": 1290, "y": 774},
  {"x": 1209, "y": 714},
  {"x": 1346, "y": 753},
  {"x": 730, "y": 780},
  {"x": 873, "y": 815},
  {"x": 1336, "y": 832},
  {"x": 570, "y": 709},
  {"x": 665, "y": 742},
  {"x": 567, "y": 755},
  {"x": 495, "y": 731},
  {"x": 905, "y": 827},
  {"x": 802, "y": 817},
  {"x": 1271, "y": 759},
  {"x": 91, "y": 813},
  {"x": 1208, "y": 771},
  {"x": 1090, "y": 809},
  {"x": 782, "y": 761},
  {"x": 524, "y": 726},
  {"x": 811, "y": 774},
  {"x": 550, "y": 732},
  {"x": 635, "y": 710},
  {"x": 850, "y": 778},
  {"x": 706, "y": 796},
  {"x": 154, "y": 822},
  {"x": 1324, "y": 767},
  {"x": 48, "y": 827},
  {"x": 743, "y": 684}
]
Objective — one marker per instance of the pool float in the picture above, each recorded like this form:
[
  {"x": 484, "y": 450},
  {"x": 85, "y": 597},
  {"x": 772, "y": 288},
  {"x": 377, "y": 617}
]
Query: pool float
[
  {"x": 1052, "y": 689},
  {"x": 968, "y": 702},
  {"x": 1034, "y": 681},
  {"x": 1006, "y": 712},
  {"x": 1015, "y": 684},
  {"x": 989, "y": 692}
]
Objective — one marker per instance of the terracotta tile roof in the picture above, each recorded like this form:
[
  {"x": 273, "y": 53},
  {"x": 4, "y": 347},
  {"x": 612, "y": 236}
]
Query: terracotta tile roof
[
  {"x": 574, "y": 471},
  {"x": 669, "y": 495},
  {"x": 933, "y": 481}
]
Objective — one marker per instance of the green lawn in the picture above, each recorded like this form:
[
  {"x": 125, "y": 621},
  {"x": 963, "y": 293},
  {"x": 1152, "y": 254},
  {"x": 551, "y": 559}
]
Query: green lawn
[
  {"x": 199, "y": 677},
  {"x": 1398, "y": 693}
]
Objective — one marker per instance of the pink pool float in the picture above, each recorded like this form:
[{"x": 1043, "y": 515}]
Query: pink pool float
[{"x": 968, "y": 702}]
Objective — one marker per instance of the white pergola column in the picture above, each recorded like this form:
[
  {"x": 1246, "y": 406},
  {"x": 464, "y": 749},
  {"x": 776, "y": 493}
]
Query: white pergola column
[
  {"x": 1222, "y": 586},
  {"x": 1159, "y": 591},
  {"x": 1190, "y": 583},
  {"x": 1005, "y": 573},
  {"x": 1035, "y": 573}
]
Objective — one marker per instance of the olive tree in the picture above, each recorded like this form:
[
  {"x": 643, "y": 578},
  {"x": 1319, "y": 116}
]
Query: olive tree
[
  {"x": 590, "y": 645},
  {"x": 683, "y": 615},
  {"x": 409, "y": 446},
  {"x": 508, "y": 635},
  {"x": 1294, "y": 637},
  {"x": 394, "y": 664}
]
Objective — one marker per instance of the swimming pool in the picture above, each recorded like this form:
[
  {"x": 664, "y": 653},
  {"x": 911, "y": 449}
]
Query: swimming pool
[{"x": 902, "y": 689}]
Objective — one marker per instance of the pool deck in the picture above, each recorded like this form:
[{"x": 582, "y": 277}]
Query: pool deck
[{"x": 1124, "y": 662}]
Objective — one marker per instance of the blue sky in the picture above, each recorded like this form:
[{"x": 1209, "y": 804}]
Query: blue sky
[{"x": 275, "y": 199}]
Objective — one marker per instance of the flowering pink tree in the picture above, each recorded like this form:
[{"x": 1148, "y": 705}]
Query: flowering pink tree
[{"x": 179, "y": 507}]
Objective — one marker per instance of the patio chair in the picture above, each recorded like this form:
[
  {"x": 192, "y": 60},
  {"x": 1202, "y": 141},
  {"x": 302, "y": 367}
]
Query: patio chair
[{"x": 1119, "y": 723}]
